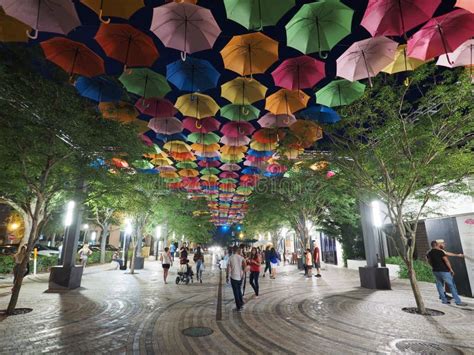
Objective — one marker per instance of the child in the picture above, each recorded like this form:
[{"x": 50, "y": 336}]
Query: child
[{"x": 308, "y": 262}]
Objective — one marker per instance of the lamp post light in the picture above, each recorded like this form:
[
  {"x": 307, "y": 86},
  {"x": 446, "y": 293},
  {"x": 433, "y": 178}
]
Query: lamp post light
[
  {"x": 378, "y": 223},
  {"x": 67, "y": 223},
  {"x": 126, "y": 235},
  {"x": 157, "y": 243},
  {"x": 86, "y": 230}
]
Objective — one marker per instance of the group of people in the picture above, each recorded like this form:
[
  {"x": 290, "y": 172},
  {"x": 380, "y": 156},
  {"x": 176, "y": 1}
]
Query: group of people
[
  {"x": 167, "y": 258},
  {"x": 310, "y": 259}
]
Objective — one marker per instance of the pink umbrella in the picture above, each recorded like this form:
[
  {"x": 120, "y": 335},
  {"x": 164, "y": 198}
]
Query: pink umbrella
[
  {"x": 185, "y": 27},
  {"x": 43, "y": 15},
  {"x": 366, "y": 58},
  {"x": 235, "y": 142},
  {"x": 230, "y": 167},
  {"x": 463, "y": 56},
  {"x": 146, "y": 140},
  {"x": 166, "y": 168},
  {"x": 229, "y": 175},
  {"x": 396, "y": 17},
  {"x": 208, "y": 154},
  {"x": 209, "y": 164},
  {"x": 237, "y": 129},
  {"x": 156, "y": 107},
  {"x": 442, "y": 35},
  {"x": 166, "y": 125},
  {"x": 276, "y": 168},
  {"x": 466, "y": 4},
  {"x": 269, "y": 120},
  {"x": 205, "y": 125},
  {"x": 299, "y": 73}
]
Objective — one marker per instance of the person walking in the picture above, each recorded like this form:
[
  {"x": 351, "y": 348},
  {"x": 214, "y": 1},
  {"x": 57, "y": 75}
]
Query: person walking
[
  {"x": 267, "y": 257},
  {"x": 235, "y": 270},
  {"x": 166, "y": 262},
  {"x": 273, "y": 262},
  {"x": 308, "y": 262},
  {"x": 443, "y": 273},
  {"x": 199, "y": 260},
  {"x": 84, "y": 254},
  {"x": 254, "y": 263},
  {"x": 317, "y": 260}
]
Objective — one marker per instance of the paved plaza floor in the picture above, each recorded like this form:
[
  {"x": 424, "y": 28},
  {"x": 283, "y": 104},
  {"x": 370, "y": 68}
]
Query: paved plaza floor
[{"x": 114, "y": 312}]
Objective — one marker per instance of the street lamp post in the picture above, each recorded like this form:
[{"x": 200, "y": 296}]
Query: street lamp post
[
  {"x": 377, "y": 221},
  {"x": 126, "y": 235}
]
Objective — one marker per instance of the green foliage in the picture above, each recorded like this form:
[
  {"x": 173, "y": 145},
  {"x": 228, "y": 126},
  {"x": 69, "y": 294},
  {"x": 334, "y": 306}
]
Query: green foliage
[
  {"x": 422, "y": 269},
  {"x": 6, "y": 264}
]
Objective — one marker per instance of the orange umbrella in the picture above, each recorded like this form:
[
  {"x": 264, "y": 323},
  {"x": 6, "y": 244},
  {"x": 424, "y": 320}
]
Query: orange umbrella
[
  {"x": 177, "y": 146},
  {"x": 205, "y": 148},
  {"x": 285, "y": 102},
  {"x": 307, "y": 132},
  {"x": 183, "y": 156},
  {"x": 169, "y": 174},
  {"x": 188, "y": 173},
  {"x": 268, "y": 135},
  {"x": 119, "y": 111},
  {"x": 119, "y": 163},
  {"x": 231, "y": 150},
  {"x": 12, "y": 30},
  {"x": 142, "y": 126},
  {"x": 251, "y": 53},
  {"x": 114, "y": 8}
]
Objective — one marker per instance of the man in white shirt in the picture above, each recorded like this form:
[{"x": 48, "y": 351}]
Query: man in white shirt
[{"x": 235, "y": 270}]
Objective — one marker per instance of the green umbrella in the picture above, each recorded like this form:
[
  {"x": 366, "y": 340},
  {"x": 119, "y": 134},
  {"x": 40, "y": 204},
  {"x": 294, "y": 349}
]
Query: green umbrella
[
  {"x": 254, "y": 14},
  {"x": 210, "y": 171},
  {"x": 186, "y": 165},
  {"x": 231, "y": 160},
  {"x": 229, "y": 181},
  {"x": 339, "y": 93},
  {"x": 240, "y": 112},
  {"x": 171, "y": 180},
  {"x": 145, "y": 83},
  {"x": 142, "y": 164},
  {"x": 319, "y": 26},
  {"x": 203, "y": 138}
]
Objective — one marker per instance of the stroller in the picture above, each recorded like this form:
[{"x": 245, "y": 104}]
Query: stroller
[{"x": 185, "y": 273}]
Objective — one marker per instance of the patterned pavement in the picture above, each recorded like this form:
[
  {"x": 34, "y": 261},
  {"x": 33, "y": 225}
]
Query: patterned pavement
[{"x": 119, "y": 313}]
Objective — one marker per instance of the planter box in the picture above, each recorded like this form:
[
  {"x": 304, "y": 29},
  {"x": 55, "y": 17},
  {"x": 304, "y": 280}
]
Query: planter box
[{"x": 356, "y": 264}]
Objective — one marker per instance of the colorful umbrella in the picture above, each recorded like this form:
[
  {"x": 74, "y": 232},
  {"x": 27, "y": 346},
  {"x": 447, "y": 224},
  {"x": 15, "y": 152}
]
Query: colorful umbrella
[
  {"x": 126, "y": 44},
  {"x": 396, "y": 17},
  {"x": 307, "y": 132},
  {"x": 204, "y": 125},
  {"x": 442, "y": 35},
  {"x": 366, "y": 58},
  {"x": 187, "y": 165},
  {"x": 145, "y": 82},
  {"x": 235, "y": 142},
  {"x": 251, "y": 53},
  {"x": 262, "y": 146},
  {"x": 156, "y": 107},
  {"x": 203, "y": 138},
  {"x": 260, "y": 154},
  {"x": 98, "y": 89},
  {"x": 462, "y": 56},
  {"x": 465, "y": 4},
  {"x": 255, "y": 14},
  {"x": 269, "y": 120},
  {"x": 276, "y": 169},
  {"x": 118, "y": 111},
  {"x": 162, "y": 162},
  {"x": 170, "y": 137},
  {"x": 320, "y": 113},
  {"x": 228, "y": 180},
  {"x": 268, "y": 135},
  {"x": 186, "y": 27},
  {"x": 299, "y": 73},
  {"x": 166, "y": 125},
  {"x": 318, "y": 27},
  {"x": 43, "y": 15},
  {"x": 177, "y": 146},
  {"x": 209, "y": 164},
  {"x": 209, "y": 178},
  {"x": 243, "y": 91},
  {"x": 402, "y": 62},
  {"x": 188, "y": 173},
  {"x": 73, "y": 57},
  {"x": 12, "y": 30},
  {"x": 237, "y": 129},
  {"x": 142, "y": 164},
  {"x": 285, "y": 102},
  {"x": 339, "y": 93},
  {"x": 197, "y": 105},
  {"x": 230, "y": 167},
  {"x": 182, "y": 156},
  {"x": 205, "y": 148},
  {"x": 228, "y": 149},
  {"x": 113, "y": 8},
  {"x": 240, "y": 112},
  {"x": 210, "y": 171},
  {"x": 192, "y": 75}
]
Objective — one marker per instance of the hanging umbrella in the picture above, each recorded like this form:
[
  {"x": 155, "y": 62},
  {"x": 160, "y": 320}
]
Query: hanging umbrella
[
  {"x": 251, "y": 53},
  {"x": 366, "y": 58},
  {"x": 203, "y": 138},
  {"x": 187, "y": 165},
  {"x": 169, "y": 174},
  {"x": 402, "y": 62},
  {"x": 197, "y": 105},
  {"x": 243, "y": 91},
  {"x": 251, "y": 171},
  {"x": 320, "y": 113},
  {"x": 285, "y": 102},
  {"x": 269, "y": 120},
  {"x": 73, "y": 57},
  {"x": 183, "y": 156},
  {"x": 318, "y": 27},
  {"x": 165, "y": 125},
  {"x": 228, "y": 149},
  {"x": 177, "y": 146},
  {"x": 12, "y": 30},
  {"x": 462, "y": 56},
  {"x": 262, "y": 146},
  {"x": 145, "y": 82},
  {"x": 209, "y": 178},
  {"x": 126, "y": 44},
  {"x": 232, "y": 158},
  {"x": 186, "y": 27},
  {"x": 229, "y": 175},
  {"x": 119, "y": 163},
  {"x": 205, "y": 148},
  {"x": 156, "y": 107},
  {"x": 302, "y": 72},
  {"x": 142, "y": 164},
  {"x": 170, "y": 137},
  {"x": 118, "y": 111},
  {"x": 210, "y": 171},
  {"x": 43, "y": 15},
  {"x": 260, "y": 154},
  {"x": 204, "y": 125},
  {"x": 465, "y": 4},
  {"x": 396, "y": 17},
  {"x": 209, "y": 164},
  {"x": 339, "y": 93},
  {"x": 240, "y": 112},
  {"x": 188, "y": 173},
  {"x": 228, "y": 180},
  {"x": 268, "y": 135},
  {"x": 192, "y": 75},
  {"x": 442, "y": 35},
  {"x": 113, "y": 8},
  {"x": 98, "y": 89},
  {"x": 237, "y": 129},
  {"x": 307, "y": 132},
  {"x": 230, "y": 167},
  {"x": 235, "y": 142},
  {"x": 162, "y": 162},
  {"x": 254, "y": 14},
  {"x": 167, "y": 168}
]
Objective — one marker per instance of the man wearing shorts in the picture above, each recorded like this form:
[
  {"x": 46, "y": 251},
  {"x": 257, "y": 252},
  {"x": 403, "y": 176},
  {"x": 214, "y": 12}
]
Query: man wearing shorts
[{"x": 317, "y": 261}]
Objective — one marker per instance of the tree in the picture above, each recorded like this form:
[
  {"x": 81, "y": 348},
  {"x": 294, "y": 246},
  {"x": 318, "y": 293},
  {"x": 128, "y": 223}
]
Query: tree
[{"x": 404, "y": 143}]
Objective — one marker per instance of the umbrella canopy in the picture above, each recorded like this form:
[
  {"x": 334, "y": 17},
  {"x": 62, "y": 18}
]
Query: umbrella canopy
[
  {"x": 113, "y": 8},
  {"x": 402, "y": 62},
  {"x": 269, "y": 120},
  {"x": 197, "y": 105},
  {"x": 320, "y": 113},
  {"x": 251, "y": 171},
  {"x": 43, "y": 15},
  {"x": 210, "y": 178},
  {"x": 210, "y": 171},
  {"x": 118, "y": 111},
  {"x": 339, "y": 93},
  {"x": 318, "y": 27},
  {"x": 465, "y": 4},
  {"x": 127, "y": 45},
  {"x": 442, "y": 35},
  {"x": 276, "y": 169},
  {"x": 12, "y": 30},
  {"x": 192, "y": 74},
  {"x": 98, "y": 89},
  {"x": 177, "y": 146},
  {"x": 228, "y": 175},
  {"x": 142, "y": 164},
  {"x": 186, "y": 27},
  {"x": 204, "y": 125},
  {"x": 462, "y": 56},
  {"x": 260, "y": 154},
  {"x": 209, "y": 164},
  {"x": 73, "y": 57},
  {"x": 205, "y": 148},
  {"x": 240, "y": 112},
  {"x": 228, "y": 149},
  {"x": 188, "y": 173},
  {"x": 307, "y": 132},
  {"x": 156, "y": 107},
  {"x": 255, "y": 14},
  {"x": 166, "y": 125},
  {"x": 243, "y": 91},
  {"x": 187, "y": 165},
  {"x": 299, "y": 73},
  {"x": 285, "y": 102},
  {"x": 145, "y": 82},
  {"x": 396, "y": 17},
  {"x": 203, "y": 138},
  {"x": 268, "y": 135},
  {"x": 237, "y": 129},
  {"x": 251, "y": 53},
  {"x": 235, "y": 142},
  {"x": 366, "y": 58},
  {"x": 262, "y": 146}
]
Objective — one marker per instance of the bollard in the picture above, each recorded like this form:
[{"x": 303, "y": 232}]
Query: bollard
[{"x": 35, "y": 259}]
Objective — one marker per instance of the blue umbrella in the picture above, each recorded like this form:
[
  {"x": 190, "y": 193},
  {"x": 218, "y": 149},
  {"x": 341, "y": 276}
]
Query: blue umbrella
[
  {"x": 260, "y": 154},
  {"x": 320, "y": 113},
  {"x": 207, "y": 158},
  {"x": 170, "y": 137},
  {"x": 251, "y": 171},
  {"x": 148, "y": 171},
  {"x": 98, "y": 89},
  {"x": 192, "y": 74}
]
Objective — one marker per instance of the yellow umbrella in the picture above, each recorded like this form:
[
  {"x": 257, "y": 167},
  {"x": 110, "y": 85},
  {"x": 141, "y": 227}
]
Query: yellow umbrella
[
  {"x": 197, "y": 105},
  {"x": 228, "y": 149},
  {"x": 169, "y": 174},
  {"x": 285, "y": 102},
  {"x": 177, "y": 146},
  {"x": 205, "y": 148},
  {"x": 262, "y": 146},
  {"x": 12, "y": 30},
  {"x": 115, "y": 8},
  {"x": 402, "y": 62},
  {"x": 118, "y": 111},
  {"x": 243, "y": 91},
  {"x": 162, "y": 162},
  {"x": 161, "y": 155},
  {"x": 251, "y": 53},
  {"x": 188, "y": 173},
  {"x": 237, "y": 156},
  {"x": 307, "y": 132},
  {"x": 210, "y": 178}
]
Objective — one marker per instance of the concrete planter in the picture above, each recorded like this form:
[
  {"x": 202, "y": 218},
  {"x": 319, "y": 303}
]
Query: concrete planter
[{"x": 392, "y": 268}]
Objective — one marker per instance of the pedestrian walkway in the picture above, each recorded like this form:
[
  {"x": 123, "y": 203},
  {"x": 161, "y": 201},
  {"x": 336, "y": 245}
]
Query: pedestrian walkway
[{"x": 116, "y": 312}]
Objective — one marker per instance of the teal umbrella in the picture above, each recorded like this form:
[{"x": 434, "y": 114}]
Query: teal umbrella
[
  {"x": 145, "y": 83},
  {"x": 254, "y": 14},
  {"x": 235, "y": 112},
  {"x": 340, "y": 93}
]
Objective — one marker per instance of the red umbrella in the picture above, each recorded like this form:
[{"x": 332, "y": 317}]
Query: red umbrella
[
  {"x": 442, "y": 35},
  {"x": 268, "y": 135},
  {"x": 228, "y": 175},
  {"x": 166, "y": 125},
  {"x": 299, "y": 73},
  {"x": 209, "y": 164},
  {"x": 73, "y": 57},
  {"x": 237, "y": 129},
  {"x": 156, "y": 107},
  {"x": 276, "y": 168},
  {"x": 396, "y": 17},
  {"x": 205, "y": 125},
  {"x": 126, "y": 44}
]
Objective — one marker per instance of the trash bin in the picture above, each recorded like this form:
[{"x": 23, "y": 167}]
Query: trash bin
[{"x": 300, "y": 264}]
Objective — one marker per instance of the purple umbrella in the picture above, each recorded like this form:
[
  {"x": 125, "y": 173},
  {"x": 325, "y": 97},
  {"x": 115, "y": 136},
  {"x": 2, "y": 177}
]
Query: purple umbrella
[
  {"x": 235, "y": 142},
  {"x": 237, "y": 129},
  {"x": 166, "y": 125},
  {"x": 270, "y": 120},
  {"x": 230, "y": 167}
]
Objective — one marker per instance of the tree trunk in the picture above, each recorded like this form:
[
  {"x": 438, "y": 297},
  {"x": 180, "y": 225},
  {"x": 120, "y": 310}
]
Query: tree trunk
[
  {"x": 134, "y": 253},
  {"x": 103, "y": 242},
  {"x": 420, "y": 304}
]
